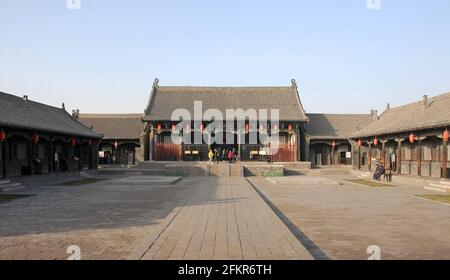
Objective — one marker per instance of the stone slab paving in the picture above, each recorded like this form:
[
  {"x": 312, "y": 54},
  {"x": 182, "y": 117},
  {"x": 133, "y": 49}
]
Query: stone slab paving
[
  {"x": 105, "y": 221},
  {"x": 224, "y": 219},
  {"x": 344, "y": 220},
  {"x": 197, "y": 218}
]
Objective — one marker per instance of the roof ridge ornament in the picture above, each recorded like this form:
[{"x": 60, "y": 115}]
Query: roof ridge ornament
[
  {"x": 156, "y": 82},
  {"x": 294, "y": 83}
]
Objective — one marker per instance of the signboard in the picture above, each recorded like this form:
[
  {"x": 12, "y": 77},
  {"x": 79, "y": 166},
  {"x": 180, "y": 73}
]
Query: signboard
[{"x": 348, "y": 154}]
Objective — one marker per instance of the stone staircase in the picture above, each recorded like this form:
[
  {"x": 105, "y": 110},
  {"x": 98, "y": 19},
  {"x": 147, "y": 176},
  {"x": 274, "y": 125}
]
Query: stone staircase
[
  {"x": 439, "y": 186},
  {"x": 8, "y": 186}
]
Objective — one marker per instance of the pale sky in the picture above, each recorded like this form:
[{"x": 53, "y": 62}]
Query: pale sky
[{"x": 345, "y": 57}]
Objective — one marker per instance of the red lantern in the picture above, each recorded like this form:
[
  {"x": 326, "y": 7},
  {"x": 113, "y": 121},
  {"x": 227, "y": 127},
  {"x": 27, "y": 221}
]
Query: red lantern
[
  {"x": 202, "y": 127},
  {"x": 174, "y": 127},
  {"x": 158, "y": 127},
  {"x": 275, "y": 127},
  {"x": 375, "y": 142},
  {"x": 74, "y": 141},
  {"x": 333, "y": 144},
  {"x": 359, "y": 143},
  {"x": 261, "y": 127},
  {"x": 247, "y": 127},
  {"x": 2, "y": 136},
  {"x": 35, "y": 138},
  {"x": 290, "y": 127},
  {"x": 412, "y": 138},
  {"x": 445, "y": 135},
  {"x": 188, "y": 127}
]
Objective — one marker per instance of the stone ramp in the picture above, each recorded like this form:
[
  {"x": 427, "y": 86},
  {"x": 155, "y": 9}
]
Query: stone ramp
[
  {"x": 224, "y": 219},
  {"x": 145, "y": 180},
  {"x": 302, "y": 181},
  {"x": 8, "y": 186}
]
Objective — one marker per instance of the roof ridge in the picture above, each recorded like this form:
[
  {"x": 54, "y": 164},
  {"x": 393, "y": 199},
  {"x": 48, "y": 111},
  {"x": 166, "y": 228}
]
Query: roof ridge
[
  {"x": 439, "y": 96},
  {"x": 107, "y": 115},
  {"x": 337, "y": 114},
  {"x": 32, "y": 101}
]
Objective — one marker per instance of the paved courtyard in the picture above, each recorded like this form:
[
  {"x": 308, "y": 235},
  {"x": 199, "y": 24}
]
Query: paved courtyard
[
  {"x": 224, "y": 218},
  {"x": 344, "y": 220},
  {"x": 198, "y": 218}
]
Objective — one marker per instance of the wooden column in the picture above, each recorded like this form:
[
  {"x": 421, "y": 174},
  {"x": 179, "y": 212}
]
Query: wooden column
[
  {"x": 80, "y": 166},
  {"x": 3, "y": 147},
  {"x": 370, "y": 157},
  {"x": 359, "y": 158},
  {"x": 332, "y": 154},
  {"x": 50, "y": 156},
  {"x": 96, "y": 148},
  {"x": 30, "y": 156},
  {"x": 240, "y": 145},
  {"x": 299, "y": 146},
  {"x": 383, "y": 151},
  {"x": 66, "y": 157},
  {"x": 399, "y": 155},
  {"x": 151, "y": 145},
  {"x": 307, "y": 143},
  {"x": 444, "y": 158},
  {"x": 419, "y": 158}
]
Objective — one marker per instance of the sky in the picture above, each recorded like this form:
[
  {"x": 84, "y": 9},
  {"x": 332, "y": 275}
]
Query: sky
[{"x": 345, "y": 57}]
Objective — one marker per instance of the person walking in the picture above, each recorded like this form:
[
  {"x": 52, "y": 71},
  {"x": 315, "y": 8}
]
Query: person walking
[
  {"x": 230, "y": 156},
  {"x": 216, "y": 156},
  {"x": 388, "y": 173},
  {"x": 210, "y": 155}
]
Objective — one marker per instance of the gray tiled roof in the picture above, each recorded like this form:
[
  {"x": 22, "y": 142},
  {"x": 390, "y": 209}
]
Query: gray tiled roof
[
  {"x": 411, "y": 117},
  {"x": 335, "y": 126},
  {"x": 30, "y": 115},
  {"x": 115, "y": 126},
  {"x": 166, "y": 99}
]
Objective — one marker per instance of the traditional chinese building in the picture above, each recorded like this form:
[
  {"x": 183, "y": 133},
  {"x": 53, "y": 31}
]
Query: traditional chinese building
[
  {"x": 327, "y": 137},
  {"x": 412, "y": 138},
  {"x": 39, "y": 139},
  {"x": 164, "y": 100},
  {"x": 123, "y": 136}
]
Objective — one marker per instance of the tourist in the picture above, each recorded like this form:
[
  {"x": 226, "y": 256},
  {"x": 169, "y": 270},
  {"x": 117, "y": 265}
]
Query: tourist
[
  {"x": 388, "y": 173},
  {"x": 379, "y": 171},
  {"x": 210, "y": 155},
  {"x": 216, "y": 156},
  {"x": 230, "y": 156}
]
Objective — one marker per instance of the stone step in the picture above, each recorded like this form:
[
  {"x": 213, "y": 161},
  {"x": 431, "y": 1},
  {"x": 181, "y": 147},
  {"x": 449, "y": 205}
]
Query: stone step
[
  {"x": 4, "y": 182},
  {"x": 434, "y": 185},
  {"x": 11, "y": 187},
  {"x": 446, "y": 183},
  {"x": 435, "y": 189}
]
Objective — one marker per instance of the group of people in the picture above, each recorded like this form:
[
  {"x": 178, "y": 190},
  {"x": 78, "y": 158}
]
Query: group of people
[
  {"x": 219, "y": 154},
  {"x": 381, "y": 170}
]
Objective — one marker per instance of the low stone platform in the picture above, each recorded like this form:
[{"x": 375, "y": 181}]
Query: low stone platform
[
  {"x": 302, "y": 181},
  {"x": 146, "y": 180}
]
